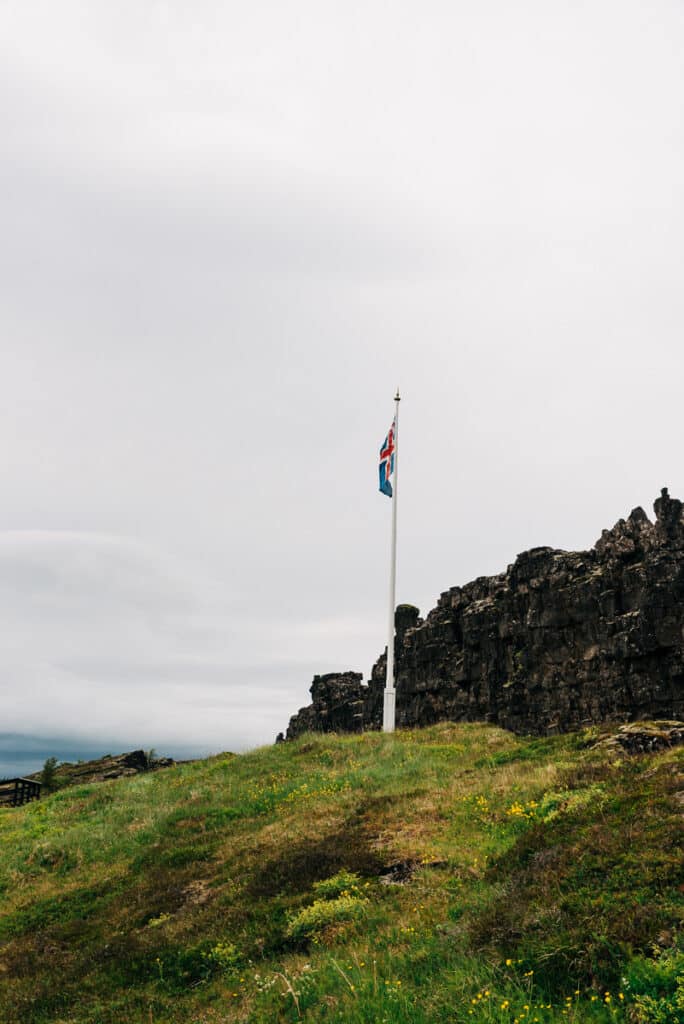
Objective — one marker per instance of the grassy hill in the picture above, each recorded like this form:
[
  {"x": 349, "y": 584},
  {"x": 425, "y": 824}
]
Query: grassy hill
[{"x": 451, "y": 874}]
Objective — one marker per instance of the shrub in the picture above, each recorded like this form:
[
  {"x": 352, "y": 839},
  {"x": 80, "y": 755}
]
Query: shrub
[
  {"x": 223, "y": 957},
  {"x": 566, "y": 801},
  {"x": 658, "y": 988},
  {"x": 344, "y": 883},
  {"x": 313, "y": 920}
]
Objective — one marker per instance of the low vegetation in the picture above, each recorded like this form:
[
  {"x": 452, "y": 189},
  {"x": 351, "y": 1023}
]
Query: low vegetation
[{"x": 450, "y": 874}]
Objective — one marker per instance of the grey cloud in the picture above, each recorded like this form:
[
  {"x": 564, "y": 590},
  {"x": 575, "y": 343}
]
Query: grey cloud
[
  {"x": 85, "y": 568},
  {"x": 228, "y": 233},
  {"x": 108, "y": 638}
]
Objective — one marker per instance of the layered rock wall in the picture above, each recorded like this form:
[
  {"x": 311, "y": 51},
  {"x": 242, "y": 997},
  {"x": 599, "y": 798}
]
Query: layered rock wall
[{"x": 558, "y": 641}]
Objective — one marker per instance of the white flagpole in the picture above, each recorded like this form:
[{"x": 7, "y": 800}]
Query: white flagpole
[{"x": 388, "y": 715}]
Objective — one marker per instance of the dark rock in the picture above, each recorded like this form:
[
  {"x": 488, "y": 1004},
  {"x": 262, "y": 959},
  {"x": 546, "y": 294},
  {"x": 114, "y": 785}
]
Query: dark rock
[
  {"x": 557, "y": 642},
  {"x": 112, "y": 766},
  {"x": 668, "y": 514},
  {"x": 406, "y": 617},
  {"x": 645, "y": 738},
  {"x": 338, "y": 706},
  {"x": 403, "y": 871},
  {"x": 399, "y": 873}
]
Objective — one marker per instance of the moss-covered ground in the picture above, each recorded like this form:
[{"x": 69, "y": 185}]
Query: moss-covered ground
[{"x": 451, "y": 874}]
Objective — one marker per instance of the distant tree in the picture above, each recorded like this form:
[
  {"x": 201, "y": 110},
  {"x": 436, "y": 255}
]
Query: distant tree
[{"x": 48, "y": 775}]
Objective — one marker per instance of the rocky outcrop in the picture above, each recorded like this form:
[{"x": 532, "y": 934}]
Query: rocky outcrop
[
  {"x": 644, "y": 738},
  {"x": 338, "y": 705},
  {"x": 111, "y": 766},
  {"x": 558, "y": 641}
]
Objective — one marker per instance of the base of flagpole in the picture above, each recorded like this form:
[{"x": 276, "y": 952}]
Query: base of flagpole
[{"x": 388, "y": 711}]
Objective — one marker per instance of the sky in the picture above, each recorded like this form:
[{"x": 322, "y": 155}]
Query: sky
[{"x": 229, "y": 232}]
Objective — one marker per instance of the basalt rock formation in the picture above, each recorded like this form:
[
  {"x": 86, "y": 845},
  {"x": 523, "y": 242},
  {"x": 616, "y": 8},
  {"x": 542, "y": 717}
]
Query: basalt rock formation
[{"x": 559, "y": 641}]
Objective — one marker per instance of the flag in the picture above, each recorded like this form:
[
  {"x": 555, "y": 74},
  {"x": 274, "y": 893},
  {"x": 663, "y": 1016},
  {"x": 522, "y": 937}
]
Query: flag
[{"x": 387, "y": 462}]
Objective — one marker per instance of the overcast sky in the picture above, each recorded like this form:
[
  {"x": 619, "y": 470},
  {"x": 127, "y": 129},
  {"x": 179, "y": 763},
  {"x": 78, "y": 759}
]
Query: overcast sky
[{"x": 227, "y": 232}]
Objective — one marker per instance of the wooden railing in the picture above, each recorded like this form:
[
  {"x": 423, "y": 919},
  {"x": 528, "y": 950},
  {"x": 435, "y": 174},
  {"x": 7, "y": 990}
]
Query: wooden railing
[{"x": 14, "y": 792}]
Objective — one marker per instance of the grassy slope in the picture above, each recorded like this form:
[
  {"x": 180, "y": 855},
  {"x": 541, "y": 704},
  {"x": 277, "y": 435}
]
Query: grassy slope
[{"x": 169, "y": 897}]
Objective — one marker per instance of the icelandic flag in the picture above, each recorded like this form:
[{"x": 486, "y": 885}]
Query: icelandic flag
[{"x": 387, "y": 462}]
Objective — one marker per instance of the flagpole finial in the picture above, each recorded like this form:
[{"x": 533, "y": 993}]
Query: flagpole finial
[{"x": 397, "y": 397}]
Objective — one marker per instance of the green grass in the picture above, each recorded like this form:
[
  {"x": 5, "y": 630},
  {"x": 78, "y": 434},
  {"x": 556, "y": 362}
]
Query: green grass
[{"x": 545, "y": 886}]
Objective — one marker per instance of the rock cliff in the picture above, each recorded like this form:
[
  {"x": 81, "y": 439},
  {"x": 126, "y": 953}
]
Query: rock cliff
[{"x": 558, "y": 641}]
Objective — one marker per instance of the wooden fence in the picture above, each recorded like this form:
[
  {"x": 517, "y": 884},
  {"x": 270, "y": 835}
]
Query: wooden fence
[{"x": 14, "y": 792}]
